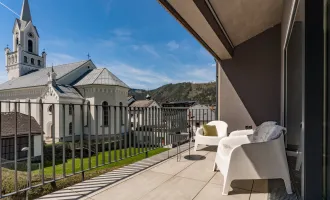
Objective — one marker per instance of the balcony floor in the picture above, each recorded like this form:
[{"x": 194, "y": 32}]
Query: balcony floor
[{"x": 171, "y": 179}]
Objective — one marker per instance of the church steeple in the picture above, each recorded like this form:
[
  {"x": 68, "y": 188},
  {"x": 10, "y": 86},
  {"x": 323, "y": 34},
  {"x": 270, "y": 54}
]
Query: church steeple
[
  {"x": 25, "y": 55},
  {"x": 26, "y": 14}
]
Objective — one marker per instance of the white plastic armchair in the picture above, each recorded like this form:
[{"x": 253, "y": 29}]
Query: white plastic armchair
[
  {"x": 211, "y": 140},
  {"x": 239, "y": 158}
]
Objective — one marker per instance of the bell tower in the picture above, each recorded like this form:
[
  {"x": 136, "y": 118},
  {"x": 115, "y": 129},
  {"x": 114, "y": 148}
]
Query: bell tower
[{"x": 24, "y": 57}]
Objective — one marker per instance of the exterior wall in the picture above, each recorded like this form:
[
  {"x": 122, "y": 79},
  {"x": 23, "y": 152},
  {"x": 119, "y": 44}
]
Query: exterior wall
[{"x": 250, "y": 84}]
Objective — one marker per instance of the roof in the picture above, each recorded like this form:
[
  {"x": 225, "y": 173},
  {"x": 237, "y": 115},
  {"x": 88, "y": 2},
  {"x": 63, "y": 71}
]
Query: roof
[
  {"x": 40, "y": 77},
  {"x": 8, "y": 124},
  {"x": 142, "y": 103},
  {"x": 26, "y": 14},
  {"x": 67, "y": 91},
  {"x": 101, "y": 76}
]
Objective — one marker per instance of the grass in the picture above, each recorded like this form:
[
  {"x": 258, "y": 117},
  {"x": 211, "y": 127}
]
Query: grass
[{"x": 8, "y": 175}]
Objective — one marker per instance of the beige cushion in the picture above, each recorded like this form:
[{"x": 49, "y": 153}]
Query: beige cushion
[{"x": 210, "y": 130}]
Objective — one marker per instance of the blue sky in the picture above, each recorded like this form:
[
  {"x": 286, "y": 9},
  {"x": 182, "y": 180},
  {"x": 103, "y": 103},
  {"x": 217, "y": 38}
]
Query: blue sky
[{"x": 137, "y": 40}]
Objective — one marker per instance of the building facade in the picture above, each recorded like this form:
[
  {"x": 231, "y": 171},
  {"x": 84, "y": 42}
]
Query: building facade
[{"x": 68, "y": 99}]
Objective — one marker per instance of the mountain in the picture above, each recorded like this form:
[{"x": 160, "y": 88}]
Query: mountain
[{"x": 204, "y": 93}]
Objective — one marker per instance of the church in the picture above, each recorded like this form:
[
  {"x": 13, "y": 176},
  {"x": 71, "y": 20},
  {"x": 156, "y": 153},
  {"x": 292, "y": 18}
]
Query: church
[{"x": 56, "y": 93}]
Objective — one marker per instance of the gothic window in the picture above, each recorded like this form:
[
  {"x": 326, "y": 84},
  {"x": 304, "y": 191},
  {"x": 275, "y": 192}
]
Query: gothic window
[
  {"x": 39, "y": 62},
  {"x": 17, "y": 41},
  {"x": 25, "y": 59},
  {"x": 30, "y": 46},
  {"x": 32, "y": 61},
  {"x": 105, "y": 113},
  {"x": 70, "y": 128}
]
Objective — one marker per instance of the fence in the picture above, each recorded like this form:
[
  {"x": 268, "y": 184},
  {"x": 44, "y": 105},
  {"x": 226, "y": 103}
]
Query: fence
[{"x": 42, "y": 143}]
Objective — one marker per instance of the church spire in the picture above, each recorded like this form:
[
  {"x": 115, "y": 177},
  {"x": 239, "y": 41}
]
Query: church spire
[{"x": 26, "y": 14}]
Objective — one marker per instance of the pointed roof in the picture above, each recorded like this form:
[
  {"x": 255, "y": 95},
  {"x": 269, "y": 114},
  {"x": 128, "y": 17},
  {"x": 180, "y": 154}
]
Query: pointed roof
[
  {"x": 26, "y": 14},
  {"x": 101, "y": 76}
]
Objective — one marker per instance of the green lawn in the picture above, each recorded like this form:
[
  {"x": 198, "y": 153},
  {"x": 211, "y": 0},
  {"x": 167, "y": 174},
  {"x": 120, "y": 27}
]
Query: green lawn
[
  {"x": 77, "y": 162},
  {"x": 8, "y": 175}
]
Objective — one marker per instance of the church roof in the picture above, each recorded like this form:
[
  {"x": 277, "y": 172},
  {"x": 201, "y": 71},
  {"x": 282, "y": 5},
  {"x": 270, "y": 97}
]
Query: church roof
[
  {"x": 67, "y": 91},
  {"x": 40, "y": 78},
  {"x": 26, "y": 14},
  {"x": 101, "y": 76}
]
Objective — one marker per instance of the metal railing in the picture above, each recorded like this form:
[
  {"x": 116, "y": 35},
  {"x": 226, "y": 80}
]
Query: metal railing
[{"x": 62, "y": 140}]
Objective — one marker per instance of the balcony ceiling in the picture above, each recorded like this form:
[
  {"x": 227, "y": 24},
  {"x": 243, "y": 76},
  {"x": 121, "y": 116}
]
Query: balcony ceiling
[{"x": 220, "y": 25}]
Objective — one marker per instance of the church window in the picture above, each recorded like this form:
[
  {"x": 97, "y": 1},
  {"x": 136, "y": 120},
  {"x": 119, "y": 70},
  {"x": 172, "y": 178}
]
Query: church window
[
  {"x": 30, "y": 46},
  {"x": 17, "y": 41},
  {"x": 50, "y": 109},
  {"x": 25, "y": 59},
  {"x": 39, "y": 62},
  {"x": 121, "y": 113},
  {"x": 32, "y": 61},
  {"x": 70, "y": 128},
  {"x": 70, "y": 109},
  {"x": 105, "y": 109}
]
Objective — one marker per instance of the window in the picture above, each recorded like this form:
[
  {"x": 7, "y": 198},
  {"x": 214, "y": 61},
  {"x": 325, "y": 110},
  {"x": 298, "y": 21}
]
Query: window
[
  {"x": 39, "y": 62},
  {"x": 30, "y": 46},
  {"x": 121, "y": 113},
  {"x": 25, "y": 59},
  {"x": 70, "y": 109},
  {"x": 17, "y": 41},
  {"x": 70, "y": 128},
  {"x": 8, "y": 150},
  {"x": 50, "y": 109},
  {"x": 32, "y": 61},
  {"x": 105, "y": 113}
]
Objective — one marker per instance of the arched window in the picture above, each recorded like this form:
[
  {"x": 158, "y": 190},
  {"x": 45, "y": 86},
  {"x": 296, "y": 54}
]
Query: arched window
[
  {"x": 30, "y": 46},
  {"x": 25, "y": 59},
  {"x": 70, "y": 109},
  {"x": 50, "y": 109},
  {"x": 39, "y": 62},
  {"x": 17, "y": 41},
  {"x": 32, "y": 61},
  {"x": 121, "y": 113},
  {"x": 70, "y": 128},
  {"x": 105, "y": 107}
]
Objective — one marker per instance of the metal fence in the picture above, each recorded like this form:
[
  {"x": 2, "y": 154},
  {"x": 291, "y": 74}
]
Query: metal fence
[{"x": 62, "y": 140}]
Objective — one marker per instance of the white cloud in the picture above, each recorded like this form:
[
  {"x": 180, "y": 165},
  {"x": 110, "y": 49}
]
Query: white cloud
[
  {"x": 60, "y": 58},
  {"x": 201, "y": 74},
  {"x": 137, "y": 78},
  {"x": 150, "y": 49},
  {"x": 172, "y": 45},
  {"x": 121, "y": 32}
]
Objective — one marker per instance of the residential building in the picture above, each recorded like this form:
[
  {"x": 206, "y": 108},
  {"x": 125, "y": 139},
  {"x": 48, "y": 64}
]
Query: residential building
[
  {"x": 271, "y": 65},
  {"x": 198, "y": 115}
]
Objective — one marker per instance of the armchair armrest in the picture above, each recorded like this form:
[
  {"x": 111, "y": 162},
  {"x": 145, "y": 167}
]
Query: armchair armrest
[
  {"x": 259, "y": 158},
  {"x": 227, "y": 144},
  {"x": 241, "y": 132}
]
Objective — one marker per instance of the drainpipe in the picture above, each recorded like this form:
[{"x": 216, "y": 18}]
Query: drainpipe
[{"x": 217, "y": 89}]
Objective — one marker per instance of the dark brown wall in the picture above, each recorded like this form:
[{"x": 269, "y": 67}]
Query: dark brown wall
[{"x": 254, "y": 73}]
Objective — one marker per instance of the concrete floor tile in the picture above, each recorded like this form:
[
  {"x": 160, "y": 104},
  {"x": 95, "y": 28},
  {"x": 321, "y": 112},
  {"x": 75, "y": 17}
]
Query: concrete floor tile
[
  {"x": 259, "y": 196},
  {"x": 134, "y": 188},
  {"x": 172, "y": 166},
  {"x": 199, "y": 170},
  {"x": 213, "y": 191},
  {"x": 217, "y": 179},
  {"x": 176, "y": 188}
]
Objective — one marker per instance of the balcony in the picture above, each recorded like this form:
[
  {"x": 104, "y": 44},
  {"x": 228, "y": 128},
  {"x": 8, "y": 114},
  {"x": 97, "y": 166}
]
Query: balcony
[{"x": 187, "y": 178}]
